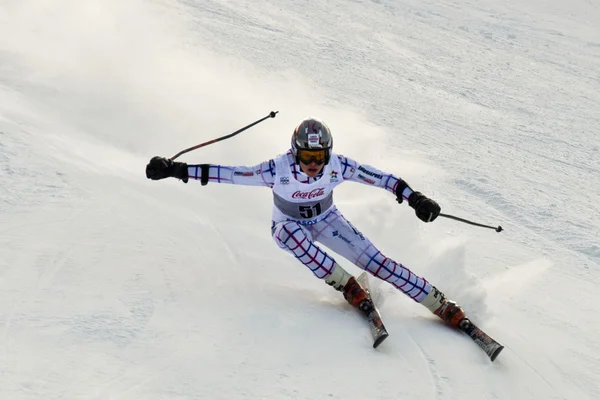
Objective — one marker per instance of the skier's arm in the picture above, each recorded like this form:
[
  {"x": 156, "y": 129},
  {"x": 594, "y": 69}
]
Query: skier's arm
[
  {"x": 262, "y": 174},
  {"x": 367, "y": 175},
  {"x": 425, "y": 208}
]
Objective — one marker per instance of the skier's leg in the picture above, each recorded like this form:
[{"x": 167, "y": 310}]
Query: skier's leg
[
  {"x": 341, "y": 236},
  {"x": 297, "y": 240}
]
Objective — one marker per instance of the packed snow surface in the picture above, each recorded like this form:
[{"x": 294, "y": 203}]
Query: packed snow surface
[{"x": 116, "y": 287}]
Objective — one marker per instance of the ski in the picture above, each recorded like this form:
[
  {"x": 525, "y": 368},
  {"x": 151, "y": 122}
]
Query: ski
[
  {"x": 368, "y": 308},
  {"x": 483, "y": 340},
  {"x": 370, "y": 311}
]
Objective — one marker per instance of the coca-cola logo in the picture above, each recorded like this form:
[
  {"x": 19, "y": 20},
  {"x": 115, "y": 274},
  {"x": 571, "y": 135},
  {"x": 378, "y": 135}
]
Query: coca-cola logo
[{"x": 308, "y": 195}]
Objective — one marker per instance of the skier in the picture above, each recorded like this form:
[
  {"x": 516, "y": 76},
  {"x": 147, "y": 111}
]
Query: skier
[{"x": 304, "y": 214}]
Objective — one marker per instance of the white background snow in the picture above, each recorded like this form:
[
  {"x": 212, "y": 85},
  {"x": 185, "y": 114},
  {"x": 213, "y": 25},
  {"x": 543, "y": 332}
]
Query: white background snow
[{"x": 116, "y": 287}]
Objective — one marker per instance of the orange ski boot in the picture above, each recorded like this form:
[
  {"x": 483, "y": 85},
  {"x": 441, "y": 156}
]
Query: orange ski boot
[
  {"x": 447, "y": 310},
  {"x": 350, "y": 288},
  {"x": 355, "y": 294}
]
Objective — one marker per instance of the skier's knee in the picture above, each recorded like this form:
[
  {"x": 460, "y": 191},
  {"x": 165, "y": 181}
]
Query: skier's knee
[{"x": 286, "y": 233}]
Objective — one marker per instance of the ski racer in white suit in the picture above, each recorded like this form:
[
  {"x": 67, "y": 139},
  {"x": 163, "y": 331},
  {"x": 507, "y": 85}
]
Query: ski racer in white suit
[{"x": 302, "y": 181}]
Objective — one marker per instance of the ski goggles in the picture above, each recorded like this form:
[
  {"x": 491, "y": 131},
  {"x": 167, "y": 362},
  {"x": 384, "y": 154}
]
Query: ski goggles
[{"x": 318, "y": 156}]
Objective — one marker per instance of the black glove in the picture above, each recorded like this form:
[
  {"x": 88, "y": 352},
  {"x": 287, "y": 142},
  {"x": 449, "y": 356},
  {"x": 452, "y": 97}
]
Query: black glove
[
  {"x": 426, "y": 209},
  {"x": 161, "y": 168}
]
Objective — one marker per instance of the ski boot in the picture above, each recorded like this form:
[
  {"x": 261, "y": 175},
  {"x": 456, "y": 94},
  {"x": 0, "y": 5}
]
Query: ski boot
[
  {"x": 357, "y": 296},
  {"x": 447, "y": 310},
  {"x": 354, "y": 294}
]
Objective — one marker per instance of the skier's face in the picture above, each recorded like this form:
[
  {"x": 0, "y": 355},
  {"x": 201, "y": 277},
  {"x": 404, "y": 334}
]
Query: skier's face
[{"x": 312, "y": 169}]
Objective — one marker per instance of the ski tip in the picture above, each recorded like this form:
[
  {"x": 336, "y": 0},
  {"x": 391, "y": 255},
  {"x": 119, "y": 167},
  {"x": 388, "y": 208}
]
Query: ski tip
[
  {"x": 379, "y": 340},
  {"x": 495, "y": 354}
]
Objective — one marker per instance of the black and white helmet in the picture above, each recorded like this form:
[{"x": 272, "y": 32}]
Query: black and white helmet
[{"x": 310, "y": 136}]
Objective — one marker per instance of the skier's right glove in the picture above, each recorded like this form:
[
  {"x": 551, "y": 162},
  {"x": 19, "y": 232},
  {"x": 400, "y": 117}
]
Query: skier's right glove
[
  {"x": 426, "y": 209},
  {"x": 161, "y": 168}
]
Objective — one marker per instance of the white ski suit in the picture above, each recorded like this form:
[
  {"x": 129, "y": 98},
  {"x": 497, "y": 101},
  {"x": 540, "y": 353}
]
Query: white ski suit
[{"x": 304, "y": 214}]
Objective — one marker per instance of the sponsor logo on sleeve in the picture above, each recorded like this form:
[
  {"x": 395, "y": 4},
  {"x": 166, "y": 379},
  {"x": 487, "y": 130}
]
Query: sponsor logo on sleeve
[
  {"x": 370, "y": 173},
  {"x": 367, "y": 180},
  {"x": 245, "y": 173}
]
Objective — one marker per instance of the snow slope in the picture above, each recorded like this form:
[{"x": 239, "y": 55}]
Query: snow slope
[{"x": 115, "y": 287}]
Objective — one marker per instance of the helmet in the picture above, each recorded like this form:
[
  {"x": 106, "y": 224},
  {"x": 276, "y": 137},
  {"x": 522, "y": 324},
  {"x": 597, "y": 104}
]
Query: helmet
[{"x": 312, "y": 140}]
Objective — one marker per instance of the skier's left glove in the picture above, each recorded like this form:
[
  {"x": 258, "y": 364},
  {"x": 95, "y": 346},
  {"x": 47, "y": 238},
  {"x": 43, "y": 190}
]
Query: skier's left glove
[
  {"x": 161, "y": 168},
  {"x": 426, "y": 209}
]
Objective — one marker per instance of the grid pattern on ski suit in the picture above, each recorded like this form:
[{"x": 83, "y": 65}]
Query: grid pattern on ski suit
[
  {"x": 294, "y": 238},
  {"x": 334, "y": 231},
  {"x": 264, "y": 174},
  {"x": 338, "y": 234}
]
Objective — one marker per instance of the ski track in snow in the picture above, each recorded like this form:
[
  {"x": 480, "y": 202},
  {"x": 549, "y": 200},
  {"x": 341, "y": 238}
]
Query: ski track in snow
[
  {"x": 439, "y": 381},
  {"x": 114, "y": 287}
]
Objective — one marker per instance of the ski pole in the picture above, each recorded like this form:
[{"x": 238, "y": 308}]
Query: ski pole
[
  {"x": 271, "y": 115},
  {"x": 497, "y": 229}
]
